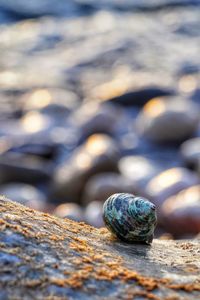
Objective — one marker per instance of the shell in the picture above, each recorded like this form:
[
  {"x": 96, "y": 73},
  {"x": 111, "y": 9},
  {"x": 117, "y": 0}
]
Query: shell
[{"x": 130, "y": 218}]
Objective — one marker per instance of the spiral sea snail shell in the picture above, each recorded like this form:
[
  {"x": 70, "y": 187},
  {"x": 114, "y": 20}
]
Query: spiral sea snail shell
[{"x": 130, "y": 218}]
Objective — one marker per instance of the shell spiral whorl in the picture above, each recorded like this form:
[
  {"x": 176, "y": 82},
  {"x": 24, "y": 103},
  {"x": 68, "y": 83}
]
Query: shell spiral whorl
[{"x": 130, "y": 218}]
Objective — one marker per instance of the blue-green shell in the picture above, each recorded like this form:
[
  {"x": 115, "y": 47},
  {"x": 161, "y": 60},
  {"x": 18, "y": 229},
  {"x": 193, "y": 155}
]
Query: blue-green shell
[{"x": 130, "y": 218}]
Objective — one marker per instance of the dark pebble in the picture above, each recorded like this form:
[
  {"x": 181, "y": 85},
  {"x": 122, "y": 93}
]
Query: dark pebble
[
  {"x": 180, "y": 213},
  {"x": 24, "y": 194},
  {"x": 190, "y": 152},
  {"x": 164, "y": 121},
  {"x": 98, "y": 154},
  {"x": 99, "y": 187}
]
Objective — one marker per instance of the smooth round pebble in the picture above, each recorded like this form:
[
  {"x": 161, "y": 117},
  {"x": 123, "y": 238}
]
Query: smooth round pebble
[
  {"x": 71, "y": 211},
  {"x": 99, "y": 187},
  {"x": 25, "y": 168},
  {"x": 98, "y": 154},
  {"x": 93, "y": 214},
  {"x": 25, "y": 194},
  {"x": 169, "y": 183},
  {"x": 164, "y": 120},
  {"x": 190, "y": 152},
  {"x": 44, "y": 100},
  {"x": 181, "y": 212},
  {"x": 95, "y": 117},
  {"x": 139, "y": 170}
]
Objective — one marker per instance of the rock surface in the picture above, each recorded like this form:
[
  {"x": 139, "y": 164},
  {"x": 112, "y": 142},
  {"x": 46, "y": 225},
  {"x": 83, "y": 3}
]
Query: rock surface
[{"x": 44, "y": 257}]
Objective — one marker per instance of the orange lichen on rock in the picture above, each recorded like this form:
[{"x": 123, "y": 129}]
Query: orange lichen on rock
[
  {"x": 186, "y": 287},
  {"x": 135, "y": 294},
  {"x": 69, "y": 255}
]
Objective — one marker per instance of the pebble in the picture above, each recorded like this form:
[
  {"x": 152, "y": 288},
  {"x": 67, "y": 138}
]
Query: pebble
[
  {"x": 121, "y": 60},
  {"x": 25, "y": 194},
  {"x": 24, "y": 168},
  {"x": 53, "y": 102},
  {"x": 190, "y": 152},
  {"x": 139, "y": 170},
  {"x": 71, "y": 211},
  {"x": 34, "y": 122},
  {"x": 99, "y": 187},
  {"x": 93, "y": 214},
  {"x": 164, "y": 120},
  {"x": 94, "y": 117},
  {"x": 98, "y": 154},
  {"x": 40, "y": 149},
  {"x": 140, "y": 97},
  {"x": 180, "y": 213},
  {"x": 169, "y": 183}
]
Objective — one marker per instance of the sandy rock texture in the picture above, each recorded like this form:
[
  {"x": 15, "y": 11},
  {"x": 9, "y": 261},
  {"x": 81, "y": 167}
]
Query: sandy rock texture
[{"x": 44, "y": 257}]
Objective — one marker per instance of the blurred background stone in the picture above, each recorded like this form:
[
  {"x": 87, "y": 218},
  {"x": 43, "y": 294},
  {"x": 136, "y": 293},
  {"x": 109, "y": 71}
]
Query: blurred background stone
[
  {"x": 169, "y": 183},
  {"x": 181, "y": 213},
  {"x": 25, "y": 194},
  {"x": 168, "y": 120},
  {"x": 139, "y": 97},
  {"x": 98, "y": 154},
  {"x": 93, "y": 99},
  {"x": 190, "y": 152},
  {"x": 24, "y": 168},
  {"x": 71, "y": 211},
  {"x": 54, "y": 102},
  {"x": 99, "y": 187},
  {"x": 93, "y": 214},
  {"x": 139, "y": 171},
  {"x": 94, "y": 118}
]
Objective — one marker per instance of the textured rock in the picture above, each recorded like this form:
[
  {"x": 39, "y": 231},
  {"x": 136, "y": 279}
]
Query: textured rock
[{"x": 44, "y": 257}]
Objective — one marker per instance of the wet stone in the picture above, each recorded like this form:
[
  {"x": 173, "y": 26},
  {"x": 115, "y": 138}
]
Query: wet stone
[
  {"x": 139, "y": 170},
  {"x": 168, "y": 120},
  {"x": 93, "y": 214},
  {"x": 180, "y": 213},
  {"x": 34, "y": 122},
  {"x": 98, "y": 154},
  {"x": 71, "y": 211},
  {"x": 169, "y": 183},
  {"x": 99, "y": 187},
  {"x": 24, "y": 168},
  {"x": 24, "y": 194},
  {"x": 45, "y": 150},
  {"x": 140, "y": 97},
  {"x": 53, "y": 102},
  {"x": 93, "y": 118},
  {"x": 190, "y": 152}
]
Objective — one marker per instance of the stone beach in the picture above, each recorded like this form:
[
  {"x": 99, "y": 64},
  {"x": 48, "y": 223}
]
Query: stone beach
[{"x": 96, "y": 99}]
